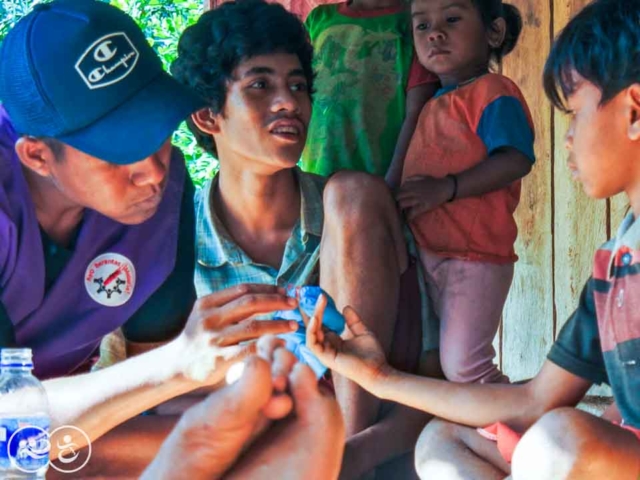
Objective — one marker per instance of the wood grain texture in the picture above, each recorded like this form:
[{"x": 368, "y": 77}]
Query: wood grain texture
[
  {"x": 528, "y": 316},
  {"x": 580, "y": 225}
]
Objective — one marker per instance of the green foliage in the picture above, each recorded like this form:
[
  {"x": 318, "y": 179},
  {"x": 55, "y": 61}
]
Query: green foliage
[
  {"x": 13, "y": 10},
  {"x": 162, "y": 22}
]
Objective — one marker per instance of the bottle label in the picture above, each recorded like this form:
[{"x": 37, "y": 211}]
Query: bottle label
[{"x": 24, "y": 443}]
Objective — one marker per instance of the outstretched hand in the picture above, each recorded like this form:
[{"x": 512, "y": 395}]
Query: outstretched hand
[{"x": 356, "y": 355}]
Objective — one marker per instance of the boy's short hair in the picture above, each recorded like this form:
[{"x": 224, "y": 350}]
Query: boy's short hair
[
  {"x": 210, "y": 50},
  {"x": 602, "y": 44}
]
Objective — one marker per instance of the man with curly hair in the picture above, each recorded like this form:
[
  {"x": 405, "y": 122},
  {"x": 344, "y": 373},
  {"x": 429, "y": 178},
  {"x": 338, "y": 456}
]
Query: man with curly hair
[{"x": 262, "y": 219}]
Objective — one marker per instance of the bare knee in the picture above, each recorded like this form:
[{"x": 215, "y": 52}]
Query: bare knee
[
  {"x": 355, "y": 194},
  {"x": 551, "y": 448},
  {"x": 429, "y": 446},
  {"x": 360, "y": 206}
]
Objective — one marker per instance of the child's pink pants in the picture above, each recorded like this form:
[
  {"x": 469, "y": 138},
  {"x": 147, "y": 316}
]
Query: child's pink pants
[{"x": 468, "y": 297}]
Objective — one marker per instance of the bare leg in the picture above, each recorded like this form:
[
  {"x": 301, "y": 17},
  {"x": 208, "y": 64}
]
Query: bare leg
[
  {"x": 388, "y": 445},
  {"x": 125, "y": 451},
  {"x": 362, "y": 257},
  {"x": 307, "y": 445},
  {"x": 388, "y": 442},
  {"x": 569, "y": 444},
  {"x": 448, "y": 451},
  {"x": 400, "y": 468},
  {"x": 210, "y": 436}
]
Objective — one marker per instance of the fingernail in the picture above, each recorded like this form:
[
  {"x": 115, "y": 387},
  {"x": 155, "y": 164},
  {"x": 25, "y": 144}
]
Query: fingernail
[
  {"x": 292, "y": 301},
  {"x": 293, "y": 325}
]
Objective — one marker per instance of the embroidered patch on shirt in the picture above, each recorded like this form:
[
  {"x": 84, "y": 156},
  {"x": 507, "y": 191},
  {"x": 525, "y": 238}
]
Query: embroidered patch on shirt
[{"x": 110, "y": 279}]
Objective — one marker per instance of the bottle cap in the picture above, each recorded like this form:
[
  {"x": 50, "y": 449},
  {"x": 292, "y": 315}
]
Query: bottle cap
[{"x": 16, "y": 357}]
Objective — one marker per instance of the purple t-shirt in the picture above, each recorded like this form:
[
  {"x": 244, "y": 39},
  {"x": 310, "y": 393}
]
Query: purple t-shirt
[{"x": 114, "y": 268}]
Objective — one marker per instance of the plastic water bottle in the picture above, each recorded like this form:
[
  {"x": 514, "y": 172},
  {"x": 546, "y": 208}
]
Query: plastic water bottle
[{"x": 24, "y": 418}]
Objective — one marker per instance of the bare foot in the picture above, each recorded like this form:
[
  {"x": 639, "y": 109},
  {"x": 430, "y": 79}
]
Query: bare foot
[
  {"x": 211, "y": 435},
  {"x": 307, "y": 444}
]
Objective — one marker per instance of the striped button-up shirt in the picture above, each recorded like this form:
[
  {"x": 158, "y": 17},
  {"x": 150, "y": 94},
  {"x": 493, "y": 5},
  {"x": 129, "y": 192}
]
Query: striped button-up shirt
[
  {"x": 221, "y": 263},
  {"x": 601, "y": 341}
]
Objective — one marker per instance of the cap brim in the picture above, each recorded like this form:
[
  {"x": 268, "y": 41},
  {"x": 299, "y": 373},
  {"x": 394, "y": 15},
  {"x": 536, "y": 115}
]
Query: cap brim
[{"x": 137, "y": 128}]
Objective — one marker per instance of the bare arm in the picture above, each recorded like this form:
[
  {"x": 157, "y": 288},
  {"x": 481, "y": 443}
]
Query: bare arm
[
  {"x": 416, "y": 98},
  {"x": 503, "y": 167},
  {"x": 372, "y": 447},
  {"x": 423, "y": 193},
  {"x": 98, "y": 401},
  {"x": 483, "y": 404},
  {"x": 360, "y": 357}
]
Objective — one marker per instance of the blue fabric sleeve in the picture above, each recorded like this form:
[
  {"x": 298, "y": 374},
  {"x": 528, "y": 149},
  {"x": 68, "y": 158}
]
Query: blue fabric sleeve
[{"x": 504, "y": 124}]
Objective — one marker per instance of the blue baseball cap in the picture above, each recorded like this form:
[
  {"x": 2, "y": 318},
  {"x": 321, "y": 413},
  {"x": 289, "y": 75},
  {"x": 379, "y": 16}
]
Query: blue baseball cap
[{"x": 82, "y": 72}]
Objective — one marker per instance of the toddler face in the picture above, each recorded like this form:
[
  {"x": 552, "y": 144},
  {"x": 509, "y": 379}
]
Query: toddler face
[{"x": 450, "y": 38}]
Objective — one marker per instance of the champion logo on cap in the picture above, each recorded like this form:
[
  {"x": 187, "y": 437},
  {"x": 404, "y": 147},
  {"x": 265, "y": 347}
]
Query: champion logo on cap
[
  {"x": 110, "y": 279},
  {"x": 107, "y": 61}
]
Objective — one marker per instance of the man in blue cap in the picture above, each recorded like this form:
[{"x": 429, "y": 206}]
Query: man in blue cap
[{"x": 96, "y": 221}]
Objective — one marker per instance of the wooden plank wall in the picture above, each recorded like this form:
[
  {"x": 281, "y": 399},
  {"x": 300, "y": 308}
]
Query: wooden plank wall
[
  {"x": 559, "y": 227},
  {"x": 527, "y": 331}
]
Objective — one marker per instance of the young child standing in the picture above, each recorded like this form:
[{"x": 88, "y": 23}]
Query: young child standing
[
  {"x": 591, "y": 75},
  {"x": 461, "y": 177},
  {"x": 369, "y": 93}
]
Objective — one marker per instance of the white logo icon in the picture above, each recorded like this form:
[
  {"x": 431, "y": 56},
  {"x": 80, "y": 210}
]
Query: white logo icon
[
  {"x": 34, "y": 445},
  {"x": 107, "y": 61},
  {"x": 70, "y": 457},
  {"x": 110, "y": 279},
  {"x": 104, "y": 53}
]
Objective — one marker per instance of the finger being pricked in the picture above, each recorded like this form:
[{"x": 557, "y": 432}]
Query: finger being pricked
[
  {"x": 267, "y": 345},
  {"x": 272, "y": 349},
  {"x": 318, "y": 311}
]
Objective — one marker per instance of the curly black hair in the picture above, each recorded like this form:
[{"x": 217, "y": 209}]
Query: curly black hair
[{"x": 210, "y": 50}]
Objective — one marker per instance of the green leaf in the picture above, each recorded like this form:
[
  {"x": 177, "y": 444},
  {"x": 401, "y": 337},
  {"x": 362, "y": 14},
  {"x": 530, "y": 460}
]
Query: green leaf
[{"x": 162, "y": 22}]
